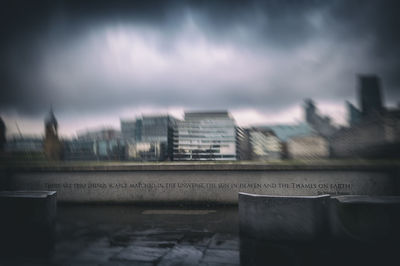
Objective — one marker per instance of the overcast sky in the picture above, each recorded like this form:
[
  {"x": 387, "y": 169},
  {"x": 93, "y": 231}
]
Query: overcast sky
[{"x": 99, "y": 61}]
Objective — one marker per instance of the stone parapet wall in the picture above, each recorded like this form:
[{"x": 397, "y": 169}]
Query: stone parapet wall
[{"x": 202, "y": 183}]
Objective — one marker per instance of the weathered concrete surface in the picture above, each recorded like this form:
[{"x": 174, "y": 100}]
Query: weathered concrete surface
[
  {"x": 279, "y": 218},
  {"x": 365, "y": 218},
  {"x": 200, "y": 183},
  {"x": 27, "y": 221},
  {"x": 132, "y": 235},
  {"x": 258, "y": 252},
  {"x": 358, "y": 218},
  {"x": 101, "y": 235}
]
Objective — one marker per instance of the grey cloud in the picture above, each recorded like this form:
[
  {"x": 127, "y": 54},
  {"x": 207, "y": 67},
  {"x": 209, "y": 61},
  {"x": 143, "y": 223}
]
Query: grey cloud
[{"x": 317, "y": 47}]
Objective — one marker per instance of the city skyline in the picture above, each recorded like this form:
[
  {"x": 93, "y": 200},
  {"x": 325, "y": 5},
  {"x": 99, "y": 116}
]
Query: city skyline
[{"x": 73, "y": 127}]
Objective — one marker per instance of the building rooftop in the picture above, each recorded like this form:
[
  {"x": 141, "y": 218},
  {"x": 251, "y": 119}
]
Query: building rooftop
[{"x": 207, "y": 114}]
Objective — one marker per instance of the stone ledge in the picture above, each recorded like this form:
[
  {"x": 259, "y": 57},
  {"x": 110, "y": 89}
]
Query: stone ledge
[
  {"x": 283, "y": 218},
  {"x": 365, "y": 218},
  {"x": 360, "y": 218},
  {"x": 199, "y": 166},
  {"x": 28, "y": 221}
]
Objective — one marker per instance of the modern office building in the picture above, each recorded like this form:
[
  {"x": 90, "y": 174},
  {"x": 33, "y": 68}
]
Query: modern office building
[
  {"x": 265, "y": 145},
  {"x": 377, "y": 137},
  {"x": 100, "y": 144},
  {"x": 285, "y": 132},
  {"x": 154, "y": 128},
  {"x": 370, "y": 95},
  {"x": 321, "y": 124},
  {"x": 370, "y": 101},
  {"x": 205, "y": 136},
  {"x": 149, "y": 137},
  {"x": 308, "y": 147},
  {"x": 145, "y": 151},
  {"x": 353, "y": 114},
  {"x": 374, "y": 131},
  {"x": 99, "y": 134},
  {"x": 80, "y": 150},
  {"x": 258, "y": 143},
  {"x": 128, "y": 130},
  {"x": 243, "y": 148}
]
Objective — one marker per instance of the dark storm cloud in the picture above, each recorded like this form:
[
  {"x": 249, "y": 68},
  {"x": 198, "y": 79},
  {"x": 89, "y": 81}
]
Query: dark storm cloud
[
  {"x": 53, "y": 53},
  {"x": 377, "y": 21}
]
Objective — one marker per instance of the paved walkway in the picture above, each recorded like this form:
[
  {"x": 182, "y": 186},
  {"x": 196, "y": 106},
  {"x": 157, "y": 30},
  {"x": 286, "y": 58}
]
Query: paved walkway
[{"x": 126, "y": 235}]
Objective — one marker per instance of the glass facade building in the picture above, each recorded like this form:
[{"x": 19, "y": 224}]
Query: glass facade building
[
  {"x": 371, "y": 100},
  {"x": 149, "y": 137},
  {"x": 205, "y": 136},
  {"x": 101, "y": 144}
]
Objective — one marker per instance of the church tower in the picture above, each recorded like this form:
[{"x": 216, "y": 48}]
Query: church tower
[
  {"x": 52, "y": 144},
  {"x": 51, "y": 125}
]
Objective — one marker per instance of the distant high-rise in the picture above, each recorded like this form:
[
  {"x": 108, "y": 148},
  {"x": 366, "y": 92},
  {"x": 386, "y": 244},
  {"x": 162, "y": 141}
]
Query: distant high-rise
[
  {"x": 371, "y": 101},
  {"x": 310, "y": 111},
  {"x": 374, "y": 130},
  {"x": 322, "y": 124},
  {"x": 354, "y": 115}
]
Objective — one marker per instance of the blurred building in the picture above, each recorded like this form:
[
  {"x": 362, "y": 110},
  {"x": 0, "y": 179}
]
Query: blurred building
[
  {"x": 149, "y": 137},
  {"x": 80, "y": 149},
  {"x": 370, "y": 95},
  {"x": 110, "y": 149},
  {"x": 377, "y": 136},
  {"x": 23, "y": 147},
  {"x": 283, "y": 142},
  {"x": 205, "y": 136},
  {"x": 353, "y": 114},
  {"x": 374, "y": 131},
  {"x": 129, "y": 130},
  {"x": 101, "y": 144},
  {"x": 145, "y": 151},
  {"x": 243, "y": 148},
  {"x": 307, "y": 147},
  {"x": 19, "y": 143},
  {"x": 286, "y": 131},
  {"x": 53, "y": 148},
  {"x": 321, "y": 124},
  {"x": 99, "y": 134},
  {"x": 264, "y": 144}
]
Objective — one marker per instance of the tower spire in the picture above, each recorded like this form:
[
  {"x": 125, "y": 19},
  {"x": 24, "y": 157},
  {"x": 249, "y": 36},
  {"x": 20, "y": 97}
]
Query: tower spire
[{"x": 52, "y": 144}]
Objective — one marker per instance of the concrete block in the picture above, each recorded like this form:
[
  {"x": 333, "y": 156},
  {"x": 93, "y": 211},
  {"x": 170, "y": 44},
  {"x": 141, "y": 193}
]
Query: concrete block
[
  {"x": 28, "y": 220},
  {"x": 281, "y": 218},
  {"x": 365, "y": 218}
]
